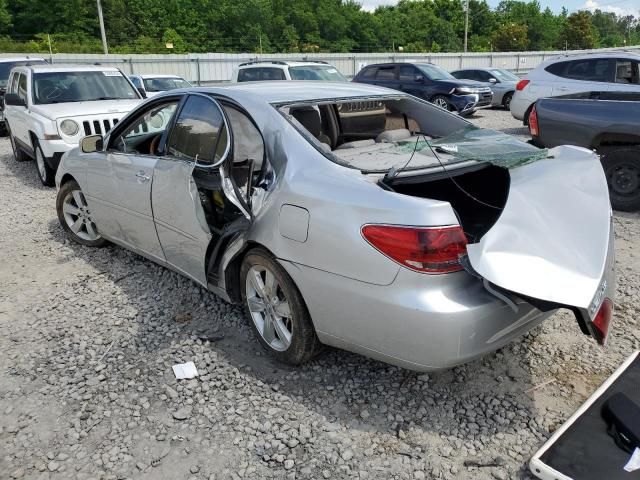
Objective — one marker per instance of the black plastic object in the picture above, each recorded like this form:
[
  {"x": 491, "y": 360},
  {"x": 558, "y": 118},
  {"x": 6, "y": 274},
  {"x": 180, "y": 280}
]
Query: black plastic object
[
  {"x": 585, "y": 451},
  {"x": 623, "y": 419}
]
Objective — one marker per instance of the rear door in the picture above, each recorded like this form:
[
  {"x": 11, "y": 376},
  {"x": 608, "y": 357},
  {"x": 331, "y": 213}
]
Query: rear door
[
  {"x": 190, "y": 175},
  {"x": 386, "y": 77},
  {"x": 553, "y": 242}
]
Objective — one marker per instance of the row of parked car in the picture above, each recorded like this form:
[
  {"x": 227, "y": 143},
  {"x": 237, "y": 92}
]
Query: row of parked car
[{"x": 57, "y": 105}]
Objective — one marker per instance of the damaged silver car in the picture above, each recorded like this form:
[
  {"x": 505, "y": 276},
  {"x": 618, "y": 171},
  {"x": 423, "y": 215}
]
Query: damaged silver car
[{"x": 350, "y": 215}]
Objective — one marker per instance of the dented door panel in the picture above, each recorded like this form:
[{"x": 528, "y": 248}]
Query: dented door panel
[{"x": 179, "y": 217}]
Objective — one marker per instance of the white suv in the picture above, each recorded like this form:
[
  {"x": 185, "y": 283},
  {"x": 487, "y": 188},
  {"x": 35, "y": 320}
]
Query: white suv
[
  {"x": 281, "y": 70},
  {"x": 49, "y": 108},
  {"x": 617, "y": 71},
  {"x": 6, "y": 64}
]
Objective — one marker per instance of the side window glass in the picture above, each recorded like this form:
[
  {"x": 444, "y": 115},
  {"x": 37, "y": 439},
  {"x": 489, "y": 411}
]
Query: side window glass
[
  {"x": 22, "y": 86},
  {"x": 143, "y": 135},
  {"x": 136, "y": 82},
  {"x": 407, "y": 73},
  {"x": 627, "y": 72},
  {"x": 482, "y": 76},
  {"x": 272, "y": 74},
  {"x": 248, "y": 75},
  {"x": 588, "y": 70},
  {"x": 369, "y": 72},
  {"x": 199, "y": 132},
  {"x": 248, "y": 148},
  {"x": 386, "y": 73},
  {"x": 558, "y": 69}
]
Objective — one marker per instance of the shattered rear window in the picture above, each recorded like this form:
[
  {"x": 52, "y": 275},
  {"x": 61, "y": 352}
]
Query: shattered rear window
[{"x": 490, "y": 146}]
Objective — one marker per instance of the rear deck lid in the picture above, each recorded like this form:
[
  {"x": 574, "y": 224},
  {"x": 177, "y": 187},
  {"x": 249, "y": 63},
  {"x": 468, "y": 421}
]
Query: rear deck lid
[{"x": 553, "y": 240}]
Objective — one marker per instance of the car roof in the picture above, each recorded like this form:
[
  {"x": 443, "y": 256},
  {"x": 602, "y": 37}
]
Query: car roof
[
  {"x": 297, "y": 91},
  {"x": 155, "y": 75},
  {"x": 485, "y": 69},
  {"x": 21, "y": 59},
  {"x": 393, "y": 64},
  {"x": 282, "y": 63},
  {"x": 586, "y": 56},
  {"x": 39, "y": 68}
]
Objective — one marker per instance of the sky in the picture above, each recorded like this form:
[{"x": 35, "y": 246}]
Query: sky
[{"x": 620, "y": 7}]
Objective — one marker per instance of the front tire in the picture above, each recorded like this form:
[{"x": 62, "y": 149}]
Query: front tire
[
  {"x": 75, "y": 217},
  {"x": 276, "y": 309},
  {"x": 622, "y": 169},
  {"x": 441, "y": 101},
  {"x": 45, "y": 172}
]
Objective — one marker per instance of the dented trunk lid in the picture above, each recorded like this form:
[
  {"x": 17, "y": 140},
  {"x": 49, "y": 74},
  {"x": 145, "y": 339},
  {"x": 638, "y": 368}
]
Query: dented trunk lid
[{"x": 553, "y": 242}]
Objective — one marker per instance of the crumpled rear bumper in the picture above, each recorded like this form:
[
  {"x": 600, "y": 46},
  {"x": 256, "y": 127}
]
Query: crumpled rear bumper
[{"x": 420, "y": 322}]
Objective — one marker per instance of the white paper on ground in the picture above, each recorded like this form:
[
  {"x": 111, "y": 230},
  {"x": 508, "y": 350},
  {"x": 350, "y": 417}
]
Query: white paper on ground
[
  {"x": 634, "y": 462},
  {"x": 185, "y": 370}
]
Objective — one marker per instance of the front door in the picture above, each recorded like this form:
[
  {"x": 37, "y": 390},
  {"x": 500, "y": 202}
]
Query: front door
[{"x": 121, "y": 181}]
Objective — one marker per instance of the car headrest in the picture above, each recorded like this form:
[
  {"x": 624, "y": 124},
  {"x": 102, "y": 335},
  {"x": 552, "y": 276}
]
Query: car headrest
[
  {"x": 309, "y": 118},
  {"x": 391, "y": 136}
]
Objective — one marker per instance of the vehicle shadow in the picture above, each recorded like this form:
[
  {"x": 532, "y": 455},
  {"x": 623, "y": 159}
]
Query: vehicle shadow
[
  {"x": 483, "y": 398},
  {"x": 25, "y": 172}
]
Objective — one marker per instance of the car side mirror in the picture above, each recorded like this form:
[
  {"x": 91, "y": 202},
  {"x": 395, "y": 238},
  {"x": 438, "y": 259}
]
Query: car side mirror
[
  {"x": 15, "y": 100},
  {"x": 493, "y": 80},
  {"x": 142, "y": 92},
  {"x": 419, "y": 79},
  {"x": 91, "y": 144}
]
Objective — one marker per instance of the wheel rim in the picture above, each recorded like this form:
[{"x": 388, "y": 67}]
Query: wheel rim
[
  {"x": 441, "y": 102},
  {"x": 269, "y": 308},
  {"x": 42, "y": 169},
  {"x": 624, "y": 179},
  {"x": 78, "y": 217}
]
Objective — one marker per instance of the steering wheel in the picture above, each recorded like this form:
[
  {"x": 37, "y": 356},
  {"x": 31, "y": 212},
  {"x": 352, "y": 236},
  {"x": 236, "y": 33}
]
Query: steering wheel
[
  {"x": 51, "y": 93},
  {"x": 154, "y": 144}
]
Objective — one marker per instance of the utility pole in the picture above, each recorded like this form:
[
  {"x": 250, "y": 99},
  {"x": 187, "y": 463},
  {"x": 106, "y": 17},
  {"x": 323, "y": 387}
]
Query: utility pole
[
  {"x": 466, "y": 23},
  {"x": 102, "y": 33}
]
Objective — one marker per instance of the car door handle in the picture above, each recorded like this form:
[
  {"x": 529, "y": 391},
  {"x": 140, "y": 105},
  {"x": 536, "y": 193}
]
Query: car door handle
[{"x": 143, "y": 176}]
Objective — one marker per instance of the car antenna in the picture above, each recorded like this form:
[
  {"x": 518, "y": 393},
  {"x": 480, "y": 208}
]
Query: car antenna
[{"x": 394, "y": 171}]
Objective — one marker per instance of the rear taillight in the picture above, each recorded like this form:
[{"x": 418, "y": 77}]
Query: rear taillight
[
  {"x": 423, "y": 249},
  {"x": 602, "y": 320},
  {"x": 521, "y": 84},
  {"x": 534, "y": 130}
]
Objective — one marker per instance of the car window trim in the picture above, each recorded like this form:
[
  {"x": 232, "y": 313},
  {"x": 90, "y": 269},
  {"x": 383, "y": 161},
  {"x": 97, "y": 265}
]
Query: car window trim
[{"x": 167, "y": 134}]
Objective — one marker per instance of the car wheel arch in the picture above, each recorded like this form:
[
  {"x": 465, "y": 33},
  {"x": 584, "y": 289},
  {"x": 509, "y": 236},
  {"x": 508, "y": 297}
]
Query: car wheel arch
[{"x": 67, "y": 177}]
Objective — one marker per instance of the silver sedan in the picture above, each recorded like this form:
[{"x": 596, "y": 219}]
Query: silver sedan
[
  {"x": 502, "y": 82},
  {"x": 350, "y": 215}
]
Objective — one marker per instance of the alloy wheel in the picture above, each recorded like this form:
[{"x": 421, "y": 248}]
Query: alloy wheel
[
  {"x": 442, "y": 103},
  {"x": 78, "y": 217},
  {"x": 269, "y": 308}
]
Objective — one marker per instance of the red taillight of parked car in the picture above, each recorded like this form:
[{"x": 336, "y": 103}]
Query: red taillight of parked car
[
  {"x": 521, "y": 84},
  {"x": 534, "y": 130},
  {"x": 602, "y": 320},
  {"x": 423, "y": 249}
]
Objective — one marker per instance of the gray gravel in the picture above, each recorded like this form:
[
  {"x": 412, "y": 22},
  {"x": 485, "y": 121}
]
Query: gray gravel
[{"x": 88, "y": 337}]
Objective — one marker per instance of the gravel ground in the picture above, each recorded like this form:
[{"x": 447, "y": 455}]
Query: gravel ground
[{"x": 88, "y": 337}]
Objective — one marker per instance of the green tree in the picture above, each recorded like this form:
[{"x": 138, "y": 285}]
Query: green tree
[
  {"x": 510, "y": 37},
  {"x": 578, "y": 32},
  {"x": 5, "y": 17}
]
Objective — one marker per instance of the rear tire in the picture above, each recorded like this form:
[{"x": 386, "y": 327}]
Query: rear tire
[
  {"x": 276, "y": 310},
  {"x": 18, "y": 154},
  {"x": 75, "y": 217},
  {"x": 45, "y": 172},
  {"x": 622, "y": 169},
  {"x": 506, "y": 100}
]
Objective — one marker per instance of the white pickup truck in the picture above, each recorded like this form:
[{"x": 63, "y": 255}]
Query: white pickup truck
[{"x": 49, "y": 108}]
